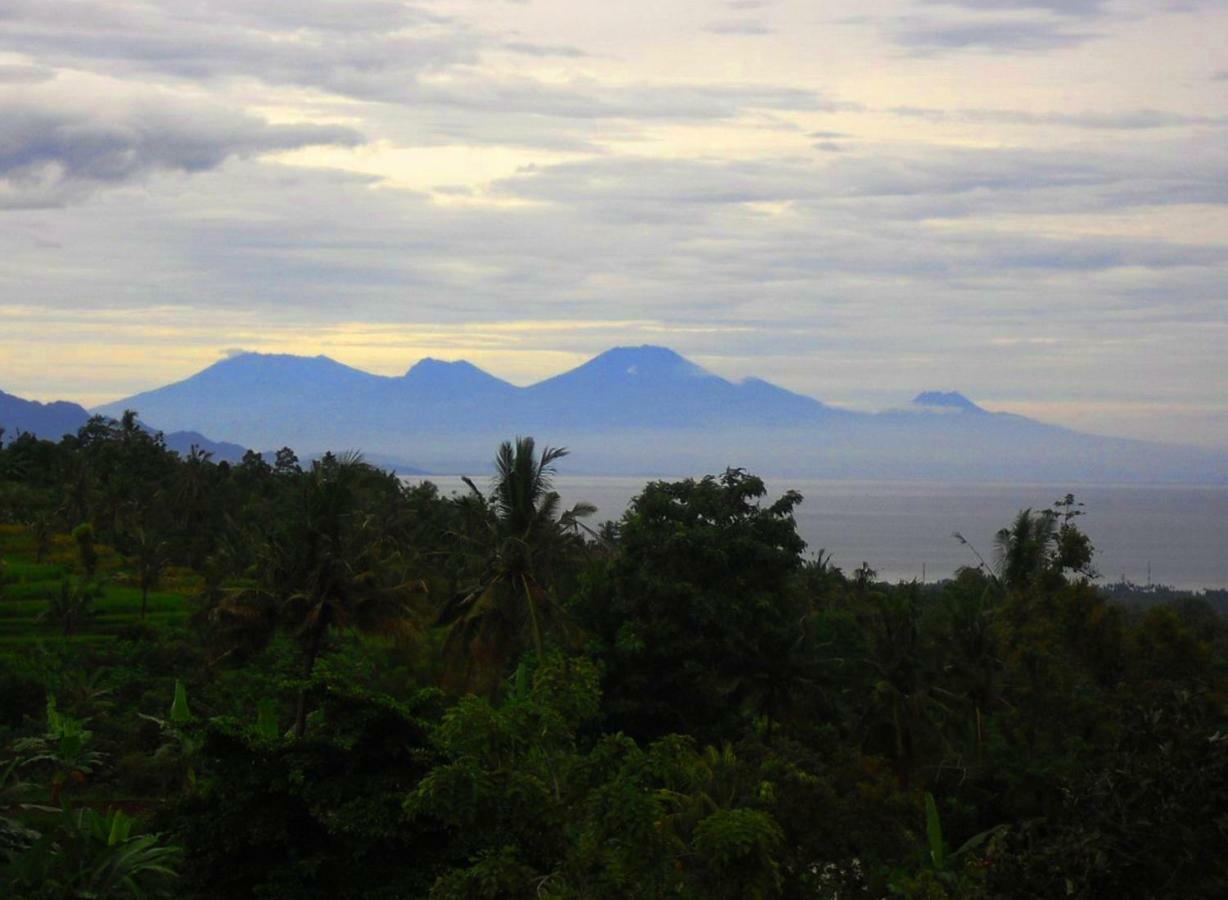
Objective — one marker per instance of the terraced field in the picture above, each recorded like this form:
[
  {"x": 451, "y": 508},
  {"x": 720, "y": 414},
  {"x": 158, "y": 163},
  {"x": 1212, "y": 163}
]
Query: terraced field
[{"x": 28, "y": 587}]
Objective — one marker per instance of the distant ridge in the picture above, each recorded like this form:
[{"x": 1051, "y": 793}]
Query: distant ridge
[
  {"x": 638, "y": 410},
  {"x": 49, "y": 420},
  {"x": 52, "y": 421}
]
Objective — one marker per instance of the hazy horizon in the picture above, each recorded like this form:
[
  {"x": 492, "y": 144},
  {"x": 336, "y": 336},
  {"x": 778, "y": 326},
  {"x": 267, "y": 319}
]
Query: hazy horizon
[{"x": 902, "y": 402}]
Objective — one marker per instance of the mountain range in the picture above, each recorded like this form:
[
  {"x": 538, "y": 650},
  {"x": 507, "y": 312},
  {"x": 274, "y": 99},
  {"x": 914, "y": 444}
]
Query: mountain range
[{"x": 637, "y": 410}]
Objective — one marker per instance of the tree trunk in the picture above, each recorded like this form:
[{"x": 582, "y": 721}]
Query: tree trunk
[
  {"x": 144, "y": 600},
  {"x": 314, "y": 642}
]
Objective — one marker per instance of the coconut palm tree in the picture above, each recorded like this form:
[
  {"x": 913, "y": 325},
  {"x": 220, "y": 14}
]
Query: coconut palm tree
[
  {"x": 73, "y": 606},
  {"x": 515, "y": 537},
  {"x": 325, "y": 568},
  {"x": 1024, "y": 551},
  {"x": 149, "y": 556},
  {"x": 42, "y": 530}
]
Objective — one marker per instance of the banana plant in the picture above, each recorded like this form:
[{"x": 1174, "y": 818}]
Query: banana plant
[
  {"x": 942, "y": 866},
  {"x": 65, "y": 748},
  {"x": 87, "y": 854},
  {"x": 177, "y": 733}
]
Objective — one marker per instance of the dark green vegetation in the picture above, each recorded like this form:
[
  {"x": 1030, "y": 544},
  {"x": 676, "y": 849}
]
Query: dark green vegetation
[{"x": 267, "y": 680}]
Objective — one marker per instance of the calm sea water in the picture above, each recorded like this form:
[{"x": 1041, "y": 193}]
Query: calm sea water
[{"x": 905, "y": 529}]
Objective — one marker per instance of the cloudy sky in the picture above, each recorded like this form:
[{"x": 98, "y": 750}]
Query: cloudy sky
[{"x": 1026, "y": 200}]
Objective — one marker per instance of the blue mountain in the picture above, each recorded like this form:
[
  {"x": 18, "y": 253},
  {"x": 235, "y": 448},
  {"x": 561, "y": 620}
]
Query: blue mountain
[
  {"x": 51, "y": 421},
  {"x": 638, "y": 410},
  {"x": 654, "y": 387},
  {"x": 46, "y": 420}
]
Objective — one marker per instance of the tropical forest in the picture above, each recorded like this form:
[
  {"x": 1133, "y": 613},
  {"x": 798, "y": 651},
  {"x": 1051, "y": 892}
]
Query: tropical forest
[{"x": 310, "y": 678}]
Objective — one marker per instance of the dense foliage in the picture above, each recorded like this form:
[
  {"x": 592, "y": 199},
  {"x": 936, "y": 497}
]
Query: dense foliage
[{"x": 277, "y": 679}]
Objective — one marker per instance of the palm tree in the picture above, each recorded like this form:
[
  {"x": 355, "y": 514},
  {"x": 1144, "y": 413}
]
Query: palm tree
[
  {"x": 42, "y": 530},
  {"x": 326, "y": 568},
  {"x": 516, "y": 536},
  {"x": 150, "y": 558},
  {"x": 1024, "y": 551},
  {"x": 77, "y": 482},
  {"x": 73, "y": 606},
  {"x": 191, "y": 498}
]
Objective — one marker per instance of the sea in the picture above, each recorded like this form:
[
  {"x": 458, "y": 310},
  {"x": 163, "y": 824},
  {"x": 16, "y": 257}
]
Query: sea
[{"x": 1144, "y": 534}]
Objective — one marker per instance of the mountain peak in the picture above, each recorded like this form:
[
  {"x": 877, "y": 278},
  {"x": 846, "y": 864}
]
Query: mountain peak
[
  {"x": 637, "y": 363},
  {"x": 952, "y": 401},
  {"x": 253, "y": 358},
  {"x": 430, "y": 364},
  {"x": 441, "y": 376}
]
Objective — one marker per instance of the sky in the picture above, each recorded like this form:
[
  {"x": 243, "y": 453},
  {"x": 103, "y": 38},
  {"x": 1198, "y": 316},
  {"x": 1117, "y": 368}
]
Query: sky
[{"x": 1025, "y": 200}]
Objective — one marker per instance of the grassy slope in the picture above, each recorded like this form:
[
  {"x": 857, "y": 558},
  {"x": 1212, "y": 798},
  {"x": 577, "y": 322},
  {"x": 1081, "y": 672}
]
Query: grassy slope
[{"x": 29, "y": 586}]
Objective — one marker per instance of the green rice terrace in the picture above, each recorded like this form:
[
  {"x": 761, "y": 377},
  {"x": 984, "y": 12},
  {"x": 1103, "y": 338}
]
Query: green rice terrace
[{"x": 33, "y": 583}]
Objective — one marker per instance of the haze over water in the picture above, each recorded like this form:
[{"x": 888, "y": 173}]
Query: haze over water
[{"x": 898, "y": 527}]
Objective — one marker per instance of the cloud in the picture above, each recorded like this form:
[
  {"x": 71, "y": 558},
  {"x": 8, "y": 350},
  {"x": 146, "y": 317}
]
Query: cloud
[
  {"x": 877, "y": 190},
  {"x": 56, "y": 149},
  {"x": 426, "y": 79},
  {"x": 591, "y": 100},
  {"x": 738, "y": 26},
  {"x": 925, "y": 37},
  {"x": 24, "y": 74},
  {"x": 1137, "y": 120},
  {"x": 374, "y": 50},
  {"x": 530, "y": 49},
  {"x": 1076, "y": 8}
]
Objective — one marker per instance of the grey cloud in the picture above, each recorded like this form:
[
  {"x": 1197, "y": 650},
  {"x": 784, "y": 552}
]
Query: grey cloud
[
  {"x": 375, "y": 50},
  {"x": 1088, "y": 8},
  {"x": 1142, "y": 119},
  {"x": 929, "y": 184},
  {"x": 1003, "y": 36},
  {"x": 528, "y": 48},
  {"x": 748, "y": 27},
  {"x": 593, "y": 101},
  {"x": 351, "y": 15},
  {"x": 964, "y": 183},
  {"x": 630, "y": 190},
  {"x": 387, "y": 53},
  {"x": 576, "y": 116},
  {"x": 21, "y": 74},
  {"x": 401, "y": 258},
  {"x": 1102, "y": 254},
  {"x": 52, "y": 154},
  {"x": 288, "y": 15}
]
